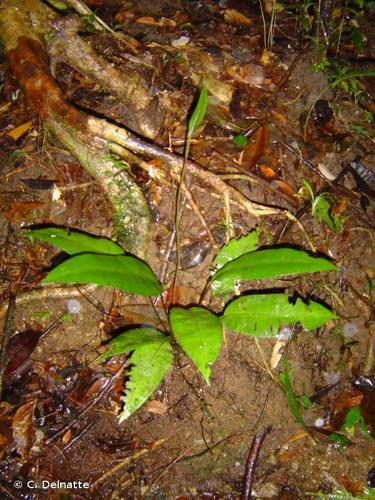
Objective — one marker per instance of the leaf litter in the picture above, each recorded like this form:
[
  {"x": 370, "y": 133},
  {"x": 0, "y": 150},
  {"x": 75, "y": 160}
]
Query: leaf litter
[{"x": 206, "y": 429}]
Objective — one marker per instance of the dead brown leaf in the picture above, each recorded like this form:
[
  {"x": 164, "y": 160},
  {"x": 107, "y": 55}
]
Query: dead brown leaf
[
  {"x": 19, "y": 131},
  {"x": 24, "y": 428},
  {"x": 255, "y": 148},
  {"x": 232, "y": 16},
  {"x": 164, "y": 22},
  {"x": 19, "y": 210},
  {"x": 155, "y": 406}
]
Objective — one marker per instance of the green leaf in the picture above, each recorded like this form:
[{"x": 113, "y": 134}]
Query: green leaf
[
  {"x": 261, "y": 315},
  {"x": 353, "y": 417},
  {"x": 150, "y": 361},
  {"x": 118, "y": 271},
  {"x": 305, "y": 401},
  {"x": 74, "y": 242},
  {"x": 288, "y": 389},
  {"x": 309, "y": 189},
  {"x": 199, "y": 333},
  {"x": 199, "y": 112},
  {"x": 356, "y": 38},
  {"x": 343, "y": 494},
  {"x": 322, "y": 210},
  {"x": 267, "y": 264},
  {"x": 338, "y": 438},
  {"x": 131, "y": 340},
  {"x": 240, "y": 140},
  {"x": 237, "y": 247}
]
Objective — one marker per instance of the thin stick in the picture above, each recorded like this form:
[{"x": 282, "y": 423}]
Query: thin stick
[
  {"x": 125, "y": 462},
  {"x": 5, "y": 339},
  {"x": 251, "y": 462}
]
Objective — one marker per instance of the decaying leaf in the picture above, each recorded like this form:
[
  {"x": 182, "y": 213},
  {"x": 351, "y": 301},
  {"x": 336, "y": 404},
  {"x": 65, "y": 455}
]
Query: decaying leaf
[
  {"x": 164, "y": 22},
  {"x": 255, "y": 148},
  {"x": 19, "y": 210},
  {"x": 232, "y": 16},
  {"x": 24, "y": 434}
]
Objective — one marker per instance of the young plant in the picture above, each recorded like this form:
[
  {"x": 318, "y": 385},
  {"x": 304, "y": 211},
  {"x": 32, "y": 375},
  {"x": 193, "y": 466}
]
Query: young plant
[
  {"x": 195, "y": 120},
  {"x": 351, "y": 420},
  {"x": 340, "y": 77},
  {"x": 321, "y": 208},
  {"x": 198, "y": 331},
  {"x": 343, "y": 494}
]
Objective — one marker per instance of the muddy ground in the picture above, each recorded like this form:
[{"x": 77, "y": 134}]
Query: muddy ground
[{"x": 59, "y": 412}]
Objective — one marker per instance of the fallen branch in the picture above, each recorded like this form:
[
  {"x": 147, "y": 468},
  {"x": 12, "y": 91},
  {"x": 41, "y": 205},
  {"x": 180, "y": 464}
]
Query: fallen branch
[{"x": 251, "y": 462}]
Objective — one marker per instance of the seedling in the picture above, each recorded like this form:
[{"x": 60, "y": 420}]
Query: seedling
[
  {"x": 240, "y": 140},
  {"x": 340, "y": 77},
  {"x": 343, "y": 494},
  {"x": 352, "y": 419},
  {"x": 321, "y": 208},
  {"x": 197, "y": 330},
  {"x": 292, "y": 401},
  {"x": 195, "y": 120}
]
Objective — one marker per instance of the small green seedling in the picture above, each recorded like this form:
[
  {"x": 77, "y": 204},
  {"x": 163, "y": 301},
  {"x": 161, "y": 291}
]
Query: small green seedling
[
  {"x": 195, "y": 120},
  {"x": 196, "y": 330},
  {"x": 321, "y": 208},
  {"x": 305, "y": 401},
  {"x": 343, "y": 494},
  {"x": 240, "y": 140},
  {"x": 286, "y": 383},
  {"x": 351, "y": 420}
]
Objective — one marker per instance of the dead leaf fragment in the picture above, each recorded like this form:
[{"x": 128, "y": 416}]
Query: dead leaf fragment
[
  {"x": 19, "y": 131},
  {"x": 155, "y": 406},
  {"x": 255, "y": 148},
  {"x": 20, "y": 210},
  {"x": 283, "y": 187},
  {"x": 232, "y": 16},
  {"x": 267, "y": 172},
  {"x": 248, "y": 74},
  {"x": 23, "y": 428},
  {"x": 164, "y": 22}
]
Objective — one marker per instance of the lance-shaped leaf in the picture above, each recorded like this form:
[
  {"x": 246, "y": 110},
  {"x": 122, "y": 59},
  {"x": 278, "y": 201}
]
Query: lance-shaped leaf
[
  {"x": 199, "y": 333},
  {"x": 270, "y": 263},
  {"x": 261, "y": 315},
  {"x": 118, "y": 271},
  {"x": 73, "y": 242},
  {"x": 237, "y": 247},
  {"x": 199, "y": 112},
  {"x": 151, "y": 359}
]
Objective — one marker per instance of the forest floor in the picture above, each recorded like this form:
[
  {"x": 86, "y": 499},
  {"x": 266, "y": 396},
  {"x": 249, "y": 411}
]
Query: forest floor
[{"x": 58, "y": 415}]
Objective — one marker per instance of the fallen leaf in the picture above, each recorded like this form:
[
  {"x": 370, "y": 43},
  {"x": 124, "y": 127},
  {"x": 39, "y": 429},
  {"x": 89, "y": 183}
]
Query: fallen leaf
[
  {"x": 277, "y": 352},
  {"x": 23, "y": 428},
  {"x": 19, "y": 131},
  {"x": 255, "y": 148},
  {"x": 164, "y": 22},
  {"x": 155, "y": 406},
  {"x": 283, "y": 187},
  {"x": 19, "y": 210},
  {"x": 232, "y": 16},
  {"x": 5, "y": 107},
  {"x": 67, "y": 436},
  {"x": 249, "y": 74},
  {"x": 266, "y": 172}
]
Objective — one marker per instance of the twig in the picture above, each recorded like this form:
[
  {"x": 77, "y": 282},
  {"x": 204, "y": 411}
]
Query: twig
[
  {"x": 126, "y": 461},
  {"x": 88, "y": 407},
  {"x": 251, "y": 462},
  {"x": 50, "y": 293},
  {"x": 5, "y": 339},
  {"x": 78, "y": 436}
]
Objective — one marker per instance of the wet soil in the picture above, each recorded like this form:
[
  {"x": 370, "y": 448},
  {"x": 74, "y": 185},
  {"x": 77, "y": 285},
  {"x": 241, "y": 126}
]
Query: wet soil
[{"x": 58, "y": 417}]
